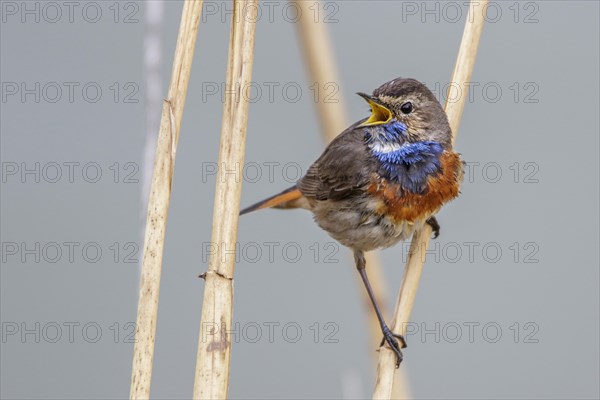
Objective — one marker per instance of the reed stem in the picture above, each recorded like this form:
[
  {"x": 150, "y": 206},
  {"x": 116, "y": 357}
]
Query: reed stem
[
  {"x": 319, "y": 56},
  {"x": 214, "y": 347},
  {"x": 158, "y": 202},
  {"x": 418, "y": 248}
]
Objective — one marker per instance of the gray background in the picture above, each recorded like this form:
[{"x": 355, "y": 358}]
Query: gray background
[{"x": 550, "y": 212}]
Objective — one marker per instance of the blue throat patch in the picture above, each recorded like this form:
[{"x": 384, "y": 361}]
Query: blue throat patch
[{"x": 410, "y": 164}]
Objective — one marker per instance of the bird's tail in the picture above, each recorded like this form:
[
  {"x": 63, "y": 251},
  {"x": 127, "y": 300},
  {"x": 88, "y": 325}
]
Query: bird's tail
[{"x": 289, "y": 198}]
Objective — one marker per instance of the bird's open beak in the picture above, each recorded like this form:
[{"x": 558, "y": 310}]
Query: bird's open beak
[{"x": 379, "y": 113}]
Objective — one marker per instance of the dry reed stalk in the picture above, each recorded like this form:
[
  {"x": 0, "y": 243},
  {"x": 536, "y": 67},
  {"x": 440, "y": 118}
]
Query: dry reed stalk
[
  {"x": 159, "y": 199},
  {"x": 418, "y": 247},
  {"x": 319, "y": 54},
  {"x": 214, "y": 350}
]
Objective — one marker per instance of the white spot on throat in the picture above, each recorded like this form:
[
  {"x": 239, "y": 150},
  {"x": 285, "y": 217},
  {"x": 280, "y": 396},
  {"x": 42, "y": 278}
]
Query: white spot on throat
[{"x": 387, "y": 147}]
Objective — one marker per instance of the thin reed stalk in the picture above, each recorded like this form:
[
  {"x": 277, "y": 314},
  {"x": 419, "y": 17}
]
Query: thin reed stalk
[
  {"x": 418, "y": 248},
  {"x": 159, "y": 199},
  {"x": 214, "y": 347},
  {"x": 319, "y": 55}
]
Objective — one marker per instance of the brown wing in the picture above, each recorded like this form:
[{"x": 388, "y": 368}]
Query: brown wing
[{"x": 344, "y": 169}]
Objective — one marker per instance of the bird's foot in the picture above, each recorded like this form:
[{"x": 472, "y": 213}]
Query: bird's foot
[
  {"x": 392, "y": 339},
  {"x": 435, "y": 226}
]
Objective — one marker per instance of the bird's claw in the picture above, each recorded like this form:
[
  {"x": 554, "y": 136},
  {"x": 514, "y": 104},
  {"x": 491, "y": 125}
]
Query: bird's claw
[
  {"x": 435, "y": 226},
  {"x": 397, "y": 336},
  {"x": 392, "y": 340}
]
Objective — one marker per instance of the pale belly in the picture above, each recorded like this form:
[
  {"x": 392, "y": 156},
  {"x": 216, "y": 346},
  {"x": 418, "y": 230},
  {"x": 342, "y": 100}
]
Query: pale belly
[{"x": 355, "y": 225}]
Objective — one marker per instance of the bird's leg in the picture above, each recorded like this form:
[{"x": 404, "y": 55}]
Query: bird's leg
[
  {"x": 388, "y": 335},
  {"x": 435, "y": 226}
]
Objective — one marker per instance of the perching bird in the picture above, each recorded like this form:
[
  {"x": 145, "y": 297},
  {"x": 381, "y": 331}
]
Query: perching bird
[{"x": 381, "y": 179}]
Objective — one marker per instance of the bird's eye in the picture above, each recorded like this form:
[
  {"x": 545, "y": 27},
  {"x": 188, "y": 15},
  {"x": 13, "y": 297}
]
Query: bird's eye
[{"x": 406, "y": 108}]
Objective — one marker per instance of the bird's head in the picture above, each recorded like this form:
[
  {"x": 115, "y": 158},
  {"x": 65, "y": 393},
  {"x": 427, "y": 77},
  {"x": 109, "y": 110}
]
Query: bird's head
[{"x": 411, "y": 103}]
